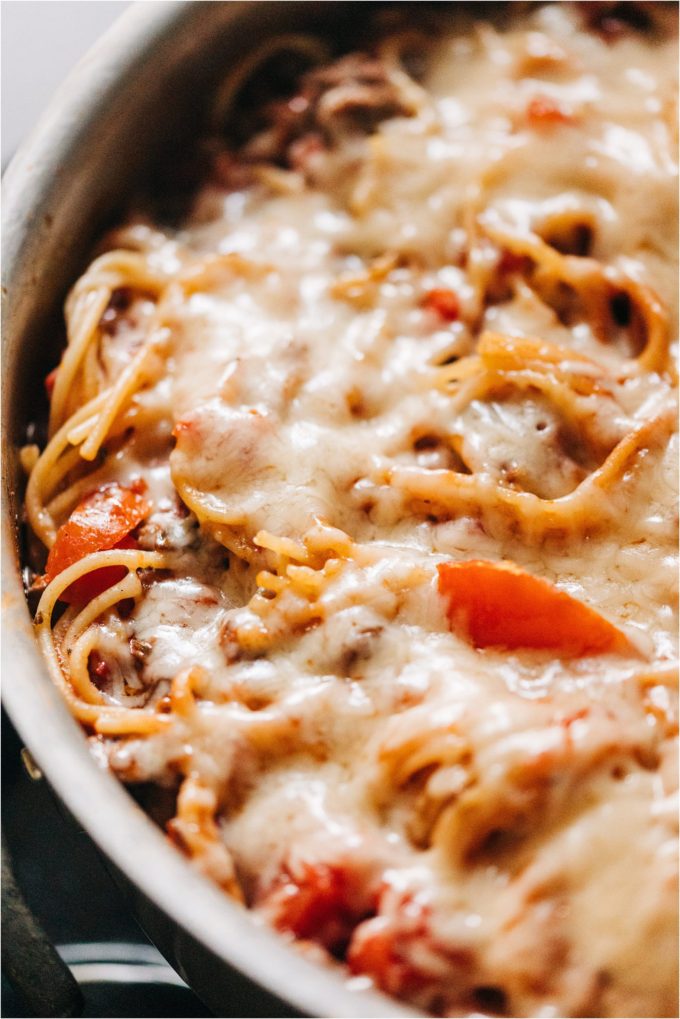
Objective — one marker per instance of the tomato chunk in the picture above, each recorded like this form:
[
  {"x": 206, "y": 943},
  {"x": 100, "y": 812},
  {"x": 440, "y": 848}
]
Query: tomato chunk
[
  {"x": 381, "y": 952},
  {"x": 322, "y": 902},
  {"x": 444, "y": 302},
  {"x": 497, "y": 604},
  {"x": 103, "y": 520},
  {"x": 398, "y": 949},
  {"x": 543, "y": 111}
]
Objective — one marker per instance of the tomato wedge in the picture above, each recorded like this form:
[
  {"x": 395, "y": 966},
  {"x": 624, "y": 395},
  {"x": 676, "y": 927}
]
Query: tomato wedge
[
  {"x": 497, "y": 604},
  {"x": 103, "y": 520}
]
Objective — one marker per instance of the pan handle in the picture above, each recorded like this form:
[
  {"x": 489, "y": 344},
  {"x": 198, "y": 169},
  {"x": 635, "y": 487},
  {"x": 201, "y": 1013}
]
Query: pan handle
[{"x": 29, "y": 959}]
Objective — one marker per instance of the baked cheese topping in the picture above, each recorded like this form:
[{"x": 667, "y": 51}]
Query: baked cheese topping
[{"x": 360, "y": 507}]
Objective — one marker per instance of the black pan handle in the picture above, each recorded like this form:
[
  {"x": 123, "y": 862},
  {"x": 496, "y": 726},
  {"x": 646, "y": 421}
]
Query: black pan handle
[{"x": 29, "y": 959}]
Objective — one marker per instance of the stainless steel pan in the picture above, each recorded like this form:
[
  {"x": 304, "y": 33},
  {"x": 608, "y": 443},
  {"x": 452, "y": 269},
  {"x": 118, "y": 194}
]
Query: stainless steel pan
[{"x": 137, "y": 91}]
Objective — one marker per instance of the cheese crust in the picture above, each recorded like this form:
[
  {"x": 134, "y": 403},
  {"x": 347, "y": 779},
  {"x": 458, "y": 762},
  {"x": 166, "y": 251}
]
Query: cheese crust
[{"x": 424, "y": 314}]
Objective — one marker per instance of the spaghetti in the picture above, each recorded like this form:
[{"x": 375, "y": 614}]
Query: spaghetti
[{"x": 357, "y": 505}]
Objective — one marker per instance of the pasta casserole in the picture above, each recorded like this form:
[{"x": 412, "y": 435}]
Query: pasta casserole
[{"x": 354, "y": 532}]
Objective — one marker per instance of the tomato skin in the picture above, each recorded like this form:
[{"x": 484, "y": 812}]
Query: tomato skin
[
  {"x": 398, "y": 950},
  {"x": 103, "y": 520},
  {"x": 86, "y": 588},
  {"x": 321, "y": 902},
  {"x": 313, "y": 904},
  {"x": 497, "y": 604},
  {"x": 444, "y": 302},
  {"x": 543, "y": 111},
  {"x": 374, "y": 951},
  {"x": 50, "y": 382}
]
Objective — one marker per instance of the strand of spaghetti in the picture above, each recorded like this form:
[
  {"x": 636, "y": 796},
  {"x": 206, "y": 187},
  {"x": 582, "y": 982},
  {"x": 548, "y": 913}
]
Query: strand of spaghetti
[
  {"x": 667, "y": 675},
  {"x": 285, "y": 548},
  {"x": 323, "y": 538},
  {"x": 79, "y": 652},
  {"x": 366, "y": 189},
  {"x": 182, "y": 689},
  {"x": 565, "y": 391},
  {"x": 135, "y": 416},
  {"x": 413, "y": 96},
  {"x": 139, "y": 237},
  {"x": 91, "y": 373},
  {"x": 486, "y": 383},
  {"x": 29, "y": 456},
  {"x": 504, "y": 352},
  {"x": 596, "y": 284},
  {"x": 132, "y": 559},
  {"x": 129, "y": 587},
  {"x": 122, "y": 721},
  {"x": 311, "y": 48},
  {"x": 195, "y": 827},
  {"x": 561, "y": 394},
  {"x": 202, "y": 273},
  {"x": 271, "y": 581},
  {"x": 84, "y": 308},
  {"x": 582, "y": 507},
  {"x": 102, "y": 718},
  {"x": 119, "y": 268},
  {"x": 654, "y": 356},
  {"x": 358, "y": 287},
  {"x": 130, "y": 379},
  {"x": 204, "y": 505},
  {"x": 411, "y": 742},
  {"x": 54, "y": 476},
  {"x": 60, "y": 505},
  {"x": 278, "y": 180},
  {"x": 321, "y": 542},
  {"x": 64, "y": 621},
  {"x": 82, "y": 326},
  {"x": 80, "y": 432},
  {"x": 44, "y": 476}
]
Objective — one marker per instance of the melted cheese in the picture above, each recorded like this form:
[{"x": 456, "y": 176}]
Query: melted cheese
[{"x": 508, "y": 812}]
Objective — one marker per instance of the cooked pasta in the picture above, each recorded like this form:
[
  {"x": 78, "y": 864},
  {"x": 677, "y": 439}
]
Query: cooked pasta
[{"x": 358, "y": 506}]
